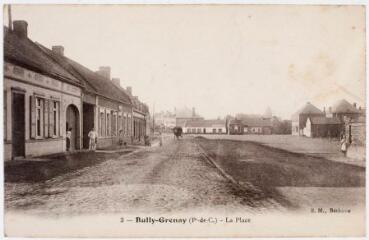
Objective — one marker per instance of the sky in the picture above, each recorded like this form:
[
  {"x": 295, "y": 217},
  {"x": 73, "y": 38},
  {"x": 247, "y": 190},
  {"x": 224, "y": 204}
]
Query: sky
[{"x": 220, "y": 59}]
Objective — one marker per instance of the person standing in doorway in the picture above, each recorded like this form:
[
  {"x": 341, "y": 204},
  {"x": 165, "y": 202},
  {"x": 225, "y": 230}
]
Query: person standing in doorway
[
  {"x": 93, "y": 138},
  {"x": 68, "y": 137}
]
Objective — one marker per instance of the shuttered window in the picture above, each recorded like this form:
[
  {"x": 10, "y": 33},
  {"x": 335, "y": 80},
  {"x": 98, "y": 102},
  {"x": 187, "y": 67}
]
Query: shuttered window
[
  {"x": 4, "y": 114},
  {"x": 39, "y": 117},
  {"x": 54, "y": 123},
  {"x": 45, "y": 117}
]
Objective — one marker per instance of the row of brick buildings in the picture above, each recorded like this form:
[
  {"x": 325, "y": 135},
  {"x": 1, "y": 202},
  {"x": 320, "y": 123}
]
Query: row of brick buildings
[{"x": 46, "y": 93}]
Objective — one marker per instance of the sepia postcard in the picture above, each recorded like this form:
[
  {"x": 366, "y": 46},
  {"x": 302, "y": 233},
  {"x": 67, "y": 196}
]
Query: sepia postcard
[{"x": 184, "y": 120}]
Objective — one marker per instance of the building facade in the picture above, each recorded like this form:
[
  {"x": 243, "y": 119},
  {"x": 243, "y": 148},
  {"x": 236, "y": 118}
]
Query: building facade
[
  {"x": 41, "y": 99},
  {"x": 300, "y": 117},
  {"x": 205, "y": 127},
  {"x": 46, "y": 93},
  {"x": 321, "y": 126}
]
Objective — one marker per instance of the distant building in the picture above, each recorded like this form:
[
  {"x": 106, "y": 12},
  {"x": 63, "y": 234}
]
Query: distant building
[
  {"x": 205, "y": 127},
  {"x": 235, "y": 127},
  {"x": 321, "y": 126},
  {"x": 343, "y": 109},
  {"x": 165, "y": 120},
  {"x": 300, "y": 117},
  {"x": 252, "y": 123},
  {"x": 185, "y": 114}
]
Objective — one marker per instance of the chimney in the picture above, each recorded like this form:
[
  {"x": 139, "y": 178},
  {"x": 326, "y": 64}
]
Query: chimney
[
  {"x": 20, "y": 28},
  {"x": 129, "y": 90},
  {"x": 193, "y": 112},
  {"x": 104, "y": 71},
  {"x": 354, "y": 105},
  {"x": 58, "y": 50},
  {"x": 330, "y": 109},
  {"x": 116, "y": 81}
]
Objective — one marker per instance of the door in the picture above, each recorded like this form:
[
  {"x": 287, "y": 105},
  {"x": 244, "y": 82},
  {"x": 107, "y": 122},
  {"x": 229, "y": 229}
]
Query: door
[
  {"x": 72, "y": 122},
  {"x": 18, "y": 125}
]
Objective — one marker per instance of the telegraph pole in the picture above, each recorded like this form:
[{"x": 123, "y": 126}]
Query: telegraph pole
[{"x": 10, "y": 25}]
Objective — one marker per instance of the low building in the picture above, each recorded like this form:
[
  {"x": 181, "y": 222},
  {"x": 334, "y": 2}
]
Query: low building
[
  {"x": 259, "y": 125},
  {"x": 106, "y": 107},
  {"x": 205, "y": 127},
  {"x": 321, "y": 126},
  {"x": 299, "y": 118},
  {"x": 235, "y": 127},
  {"x": 41, "y": 99},
  {"x": 343, "y": 109}
]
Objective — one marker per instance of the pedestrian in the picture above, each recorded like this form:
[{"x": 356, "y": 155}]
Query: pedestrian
[
  {"x": 93, "y": 139},
  {"x": 68, "y": 137},
  {"x": 160, "y": 139}
]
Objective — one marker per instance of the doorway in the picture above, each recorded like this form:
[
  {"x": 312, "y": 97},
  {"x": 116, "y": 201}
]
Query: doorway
[
  {"x": 88, "y": 123},
  {"x": 18, "y": 125},
  {"x": 72, "y": 121}
]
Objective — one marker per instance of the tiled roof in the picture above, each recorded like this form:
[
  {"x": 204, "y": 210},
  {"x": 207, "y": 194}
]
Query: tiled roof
[
  {"x": 205, "y": 123},
  {"x": 321, "y": 120},
  {"x": 26, "y": 53},
  {"x": 343, "y": 106},
  {"x": 308, "y": 108},
  {"x": 93, "y": 81},
  {"x": 257, "y": 122}
]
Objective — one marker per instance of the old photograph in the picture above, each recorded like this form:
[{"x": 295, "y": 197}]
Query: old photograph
[{"x": 184, "y": 120}]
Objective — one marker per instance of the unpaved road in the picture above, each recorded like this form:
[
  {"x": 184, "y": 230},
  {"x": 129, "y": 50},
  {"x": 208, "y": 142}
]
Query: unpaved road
[{"x": 169, "y": 179}]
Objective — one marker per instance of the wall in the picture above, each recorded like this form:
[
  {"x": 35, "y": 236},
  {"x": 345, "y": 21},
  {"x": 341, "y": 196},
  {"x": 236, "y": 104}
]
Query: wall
[{"x": 32, "y": 83}]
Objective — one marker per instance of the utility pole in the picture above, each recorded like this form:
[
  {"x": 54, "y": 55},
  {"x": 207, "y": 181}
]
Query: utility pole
[
  {"x": 10, "y": 25},
  {"x": 153, "y": 118}
]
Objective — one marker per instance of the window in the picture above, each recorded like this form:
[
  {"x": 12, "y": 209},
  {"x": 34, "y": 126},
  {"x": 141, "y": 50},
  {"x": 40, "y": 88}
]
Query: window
[
  {"x": 108, "y": 124},
  {"x": 214, "y": 130},
  {"x": 54, "y": 119},
  {"x": 125, "y": 124},
  {"x": 102, "y": 124},
  {"x": 120, "y": 128},
  {"x": 113, "y": 123},
  {"x": 199, "y": 130},
  {"x": 219, "y": 130},
  {"x": 4, "y": 113},
  {"x": 188, "y": 130},
  {"x": 39, "y": 117}
]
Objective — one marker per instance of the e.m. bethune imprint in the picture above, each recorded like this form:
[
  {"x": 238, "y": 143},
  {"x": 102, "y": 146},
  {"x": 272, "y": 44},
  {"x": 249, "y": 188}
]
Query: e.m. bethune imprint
[{"x": 184, "y": 120}]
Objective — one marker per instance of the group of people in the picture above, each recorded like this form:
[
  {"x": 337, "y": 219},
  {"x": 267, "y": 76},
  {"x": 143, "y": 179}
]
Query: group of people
[{"x": 92, "y": 135}]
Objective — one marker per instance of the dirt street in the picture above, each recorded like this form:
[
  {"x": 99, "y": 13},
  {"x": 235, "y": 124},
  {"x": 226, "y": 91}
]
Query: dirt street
[
  {"x": 172, "y": 178},
  {"x": 180, "y": 177}
]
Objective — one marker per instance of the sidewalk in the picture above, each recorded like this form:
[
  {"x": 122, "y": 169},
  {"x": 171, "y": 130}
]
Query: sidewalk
[
  {"x": 319, "y": 147},
  {"x": 46, "y": 167}
]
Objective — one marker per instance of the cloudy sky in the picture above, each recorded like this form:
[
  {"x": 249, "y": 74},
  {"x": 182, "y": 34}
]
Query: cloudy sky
[{"x": 219, "y": 59}]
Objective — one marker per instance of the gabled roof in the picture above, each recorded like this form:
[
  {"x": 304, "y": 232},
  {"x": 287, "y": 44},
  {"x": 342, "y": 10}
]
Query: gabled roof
[
  {"x": 321, "y": 120},
  {"x": 343, "y": 106},
  {"x": 257, "y": 122},
  {"x": 204, "y": 123},
  {"x": 94, "y": 82},
  {"x": 25, "y": 53},
  {"x": 308, "y": 108}
]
